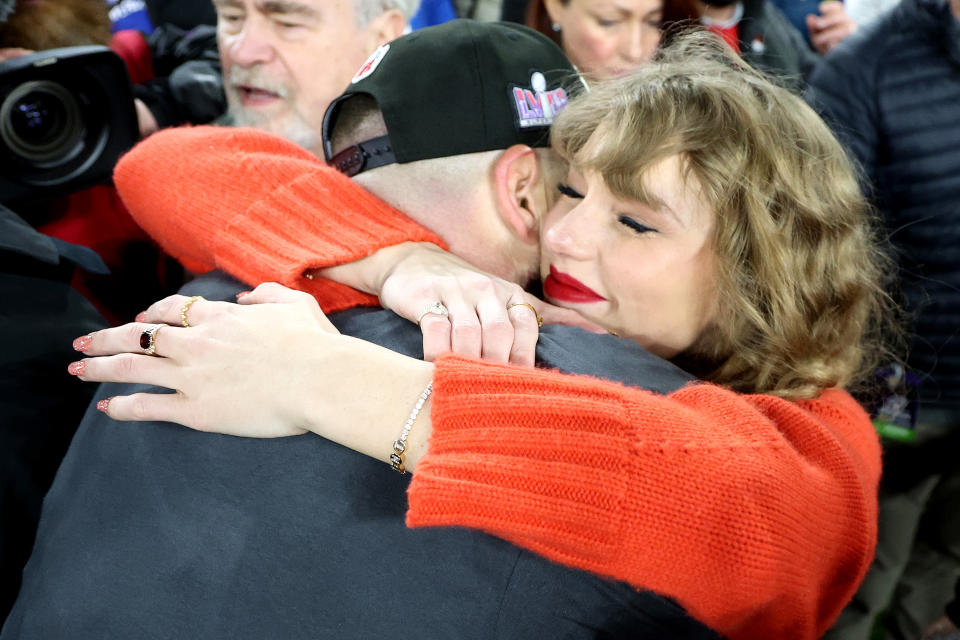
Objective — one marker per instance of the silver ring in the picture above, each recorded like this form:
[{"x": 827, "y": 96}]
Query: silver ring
[
  {"x": 437, "y": 307},
  {"x": 148, "y": 339}
]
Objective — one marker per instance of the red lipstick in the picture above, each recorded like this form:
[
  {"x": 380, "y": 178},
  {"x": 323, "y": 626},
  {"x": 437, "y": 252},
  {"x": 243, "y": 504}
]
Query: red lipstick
[{"x": 565, "y": 288}]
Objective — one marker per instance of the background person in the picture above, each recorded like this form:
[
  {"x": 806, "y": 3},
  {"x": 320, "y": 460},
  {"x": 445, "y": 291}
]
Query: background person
[
  {"x": 890, "y": 93},
  {"x": 604, "y": 38}
]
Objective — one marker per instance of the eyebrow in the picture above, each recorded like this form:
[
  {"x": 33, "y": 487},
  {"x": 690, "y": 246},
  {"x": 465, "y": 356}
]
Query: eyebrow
[
  {"x": 655, "y": 203},
  {"x": 287, "y": 7},
  {"x": 625, "y": 11}
]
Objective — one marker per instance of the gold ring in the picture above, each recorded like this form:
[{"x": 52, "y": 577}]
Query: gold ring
[
  {"x": 437, "y": 308},
  {"x": 148, "y": 339},
  {"x": 529, "y": 306},
  {"x": 185, "y": 308}
]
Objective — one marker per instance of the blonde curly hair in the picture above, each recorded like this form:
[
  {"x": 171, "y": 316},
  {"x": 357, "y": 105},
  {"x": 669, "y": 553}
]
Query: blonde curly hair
[{"x": 802, "y": 302}]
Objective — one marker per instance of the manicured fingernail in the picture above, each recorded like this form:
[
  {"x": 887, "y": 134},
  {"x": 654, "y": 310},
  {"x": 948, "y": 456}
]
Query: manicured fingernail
[
  {"x": 83, "y": 342},
  {"x": 77, "y": 368},
  {"x": 243, "y": 293},
  {"x": 104, "y": 404},
  {"x": 141, "y": 317}
]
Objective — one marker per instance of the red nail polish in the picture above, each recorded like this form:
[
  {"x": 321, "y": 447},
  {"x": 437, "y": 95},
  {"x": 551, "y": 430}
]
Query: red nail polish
[
  {"x": 141, "y": 317},
  {"x": 104, "y": 404},
  {"x": 77, "y": 368},
  {"x": 244, "y": 293},
  {"x": 83, "y": 342}
]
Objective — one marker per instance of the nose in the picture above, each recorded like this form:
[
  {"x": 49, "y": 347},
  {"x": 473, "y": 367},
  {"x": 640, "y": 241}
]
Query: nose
[
  {"x": 251, "y": 46},
  {"x": 572, "y": 234},
  {"x": 636, "y": 48}
]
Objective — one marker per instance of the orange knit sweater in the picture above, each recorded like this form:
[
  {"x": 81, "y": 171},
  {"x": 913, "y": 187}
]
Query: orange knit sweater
[{"x": 758, "y": 515}]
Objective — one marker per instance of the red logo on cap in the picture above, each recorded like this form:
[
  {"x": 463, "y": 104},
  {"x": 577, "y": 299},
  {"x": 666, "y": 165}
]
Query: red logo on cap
[{"x": 370, "y": 65}]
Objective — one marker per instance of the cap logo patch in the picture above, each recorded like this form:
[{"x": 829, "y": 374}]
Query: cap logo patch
[
  {"x": 371, "y": 64},
  {"x": 536, "y": 106}
]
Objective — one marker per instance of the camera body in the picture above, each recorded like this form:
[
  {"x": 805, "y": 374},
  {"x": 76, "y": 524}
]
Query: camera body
[{"x": 66, "y": 116}]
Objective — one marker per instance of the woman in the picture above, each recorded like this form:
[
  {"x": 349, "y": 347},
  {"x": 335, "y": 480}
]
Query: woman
[
  {"x": 728, "y": 235},
  {"x": 607, "y": 38}
]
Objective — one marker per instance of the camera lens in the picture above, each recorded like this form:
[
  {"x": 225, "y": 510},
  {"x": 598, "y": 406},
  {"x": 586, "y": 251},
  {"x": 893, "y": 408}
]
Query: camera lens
[
  {"x": 38, "y": 119},
  {"x": 41, "y": 122}
]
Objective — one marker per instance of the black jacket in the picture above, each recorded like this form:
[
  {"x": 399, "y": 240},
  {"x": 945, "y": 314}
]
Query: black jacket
[
  {"x": 157, "y": 531},
  {"x": 892, "y": 94},
  {"x": 40, "y": 403}
]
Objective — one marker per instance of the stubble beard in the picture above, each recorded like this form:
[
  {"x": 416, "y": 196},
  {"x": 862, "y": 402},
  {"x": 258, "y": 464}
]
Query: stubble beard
[{"x": 291, "y": 124}]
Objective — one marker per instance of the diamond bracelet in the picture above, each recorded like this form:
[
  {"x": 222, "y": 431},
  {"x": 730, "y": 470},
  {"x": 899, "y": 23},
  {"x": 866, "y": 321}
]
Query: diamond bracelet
[{"x": 400, "y": 444}]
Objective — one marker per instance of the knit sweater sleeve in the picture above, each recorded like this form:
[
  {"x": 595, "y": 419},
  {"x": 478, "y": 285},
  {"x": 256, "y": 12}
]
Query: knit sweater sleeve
[
  {"x": 258, "y": 207},
  {"x": 756, "y": 514}
]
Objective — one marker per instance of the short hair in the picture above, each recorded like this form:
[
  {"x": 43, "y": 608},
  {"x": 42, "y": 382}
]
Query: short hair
[
  {"x": 801, "y": 276},
  {"x": 366, "y": 10}
]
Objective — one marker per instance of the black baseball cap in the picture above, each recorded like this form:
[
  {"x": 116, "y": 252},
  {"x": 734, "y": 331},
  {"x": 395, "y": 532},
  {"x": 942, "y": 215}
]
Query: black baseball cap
[{"x": 460, "y": 87}]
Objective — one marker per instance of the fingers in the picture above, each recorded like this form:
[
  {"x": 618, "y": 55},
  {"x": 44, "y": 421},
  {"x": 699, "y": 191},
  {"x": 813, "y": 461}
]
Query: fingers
[
  {"x": 497, "y": 330},
  {"x": 174, "y": 309},
  {"x": 142, "y": 407},
  {"x": 466, "y": 336},
  {"x": 168, "y": 341},
  {"x": 272, "y": 292},
  {"x": 127, "y": 367},
  {"x": 436, "y": 336},
  {"x": 526, "y": 332},
  {"x": 831, "y": 27},
  {"x": 826, "y": 40}
]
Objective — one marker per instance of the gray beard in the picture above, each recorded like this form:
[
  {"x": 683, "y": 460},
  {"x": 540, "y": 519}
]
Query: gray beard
[{"x": 298, "y": 132}]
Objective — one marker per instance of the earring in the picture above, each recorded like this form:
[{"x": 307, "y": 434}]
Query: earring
[{"x": 555, "y": 26}]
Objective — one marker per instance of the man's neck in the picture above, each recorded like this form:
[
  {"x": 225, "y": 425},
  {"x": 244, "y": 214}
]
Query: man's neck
[{"x": 955, "y": 7}]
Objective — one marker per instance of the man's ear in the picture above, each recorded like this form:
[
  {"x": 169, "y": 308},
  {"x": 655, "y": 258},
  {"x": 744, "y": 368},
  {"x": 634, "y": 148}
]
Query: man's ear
[
  {"x": 516, "y": 173},
  {"x": 386, "y": 27}
]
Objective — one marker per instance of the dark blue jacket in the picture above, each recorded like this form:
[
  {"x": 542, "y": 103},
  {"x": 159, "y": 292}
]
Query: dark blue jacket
[{"x": 892, "y": 93}]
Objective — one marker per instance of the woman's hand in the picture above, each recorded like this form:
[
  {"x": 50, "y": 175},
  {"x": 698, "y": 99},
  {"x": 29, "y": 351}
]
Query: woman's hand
[
  {"x": 487, "y": 317},
  {"x": 271, "y": 366},
  {"x": 242, "y": 370}
]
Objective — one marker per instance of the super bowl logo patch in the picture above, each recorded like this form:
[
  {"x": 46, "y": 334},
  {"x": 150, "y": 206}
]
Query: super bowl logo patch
[
  {"x": 536, "y": 107},
  {"x": 371, "y": 64}
]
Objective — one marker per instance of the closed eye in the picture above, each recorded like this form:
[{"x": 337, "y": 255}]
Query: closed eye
[
  {"x": 568, "y": 191},
  {"x": 633, "y": 225}
]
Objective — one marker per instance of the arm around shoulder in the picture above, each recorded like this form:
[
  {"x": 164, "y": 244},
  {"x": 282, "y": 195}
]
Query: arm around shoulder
[{"x": 253, "y": 204}]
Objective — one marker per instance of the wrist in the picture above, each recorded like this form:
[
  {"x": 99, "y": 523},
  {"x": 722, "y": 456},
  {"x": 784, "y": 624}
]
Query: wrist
[
  {"x": 368, "y": 274},
  {"x": 370, "y": 399}
]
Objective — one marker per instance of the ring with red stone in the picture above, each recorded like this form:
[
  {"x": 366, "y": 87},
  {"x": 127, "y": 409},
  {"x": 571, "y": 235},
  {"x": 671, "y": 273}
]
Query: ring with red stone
[{"x": 148, "y": 339}]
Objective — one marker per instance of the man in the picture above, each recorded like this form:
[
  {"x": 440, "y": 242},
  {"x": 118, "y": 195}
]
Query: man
[
  {"x": 284, "y": 62},
  {"x": 158, "y": 531},
  {"x": 890, "y": 92}
]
